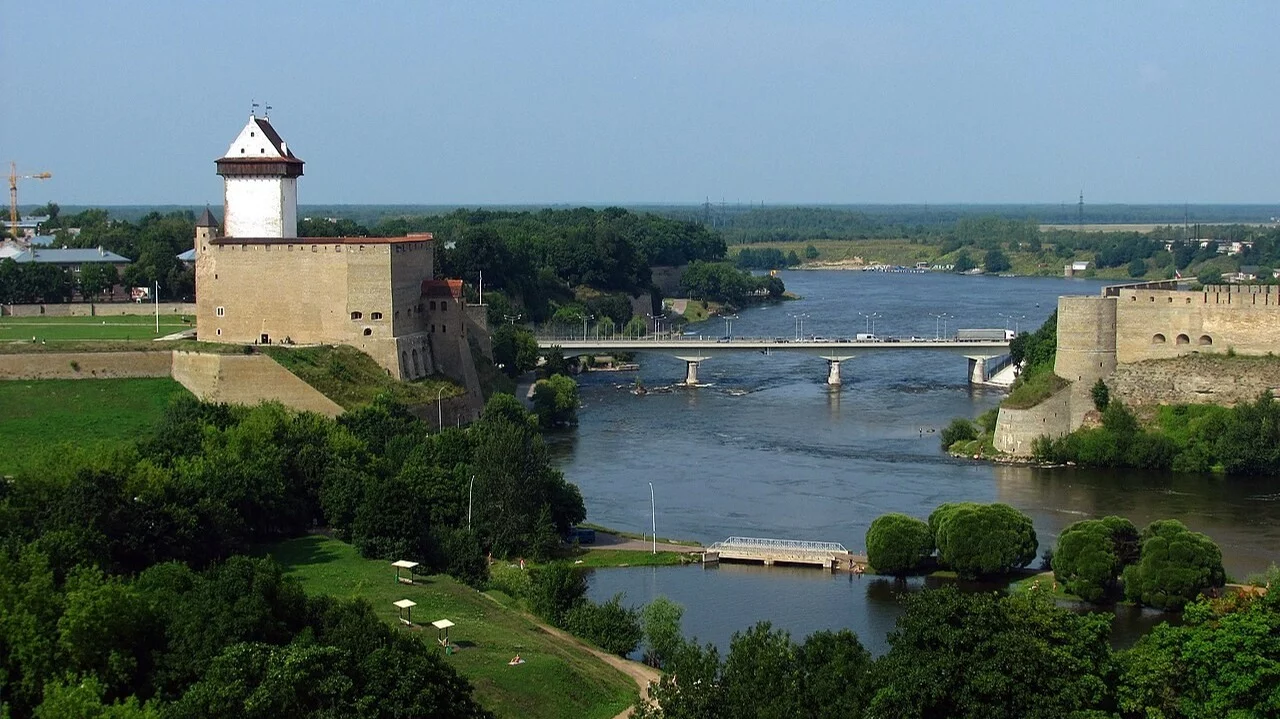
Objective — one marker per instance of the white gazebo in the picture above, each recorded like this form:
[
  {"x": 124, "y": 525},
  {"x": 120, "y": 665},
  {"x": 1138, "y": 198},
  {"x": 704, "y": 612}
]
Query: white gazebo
[
  {"x": 406, "y": 610},
  {"x": 443, "y": 625},
  {"x": 407, "y": 565}
]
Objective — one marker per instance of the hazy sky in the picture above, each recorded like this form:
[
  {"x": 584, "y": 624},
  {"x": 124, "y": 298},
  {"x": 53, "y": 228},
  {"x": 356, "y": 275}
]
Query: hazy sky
[{"x": 599, "y": 102}]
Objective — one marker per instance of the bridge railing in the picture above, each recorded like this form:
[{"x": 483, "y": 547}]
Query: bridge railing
[{"x": 792, "y": 545}]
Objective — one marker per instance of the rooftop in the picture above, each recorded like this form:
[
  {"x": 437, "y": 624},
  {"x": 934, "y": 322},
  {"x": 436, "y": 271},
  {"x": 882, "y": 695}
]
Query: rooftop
[{"x": 70, "y": 256}]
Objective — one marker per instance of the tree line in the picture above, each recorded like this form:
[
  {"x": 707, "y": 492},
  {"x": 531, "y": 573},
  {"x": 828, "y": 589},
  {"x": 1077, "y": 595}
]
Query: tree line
[
  {"x": 120, "y": 582},
  {"x": 152, "y": 244}
]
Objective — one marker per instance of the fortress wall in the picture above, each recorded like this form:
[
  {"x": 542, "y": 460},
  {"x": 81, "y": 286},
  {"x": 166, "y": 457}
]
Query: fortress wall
[
  {"x": 249, "y": 380},
  {"x": 87, "y": 365},
  {"x": 1195, "y": 379},
  {"x": 97, "y": 309},
  {"x": 477, "y": 328},
  {"x": 1188, "y": 322},
  {"x": 1086, "y": 338},
  {"x": 1016, "y": 429}
]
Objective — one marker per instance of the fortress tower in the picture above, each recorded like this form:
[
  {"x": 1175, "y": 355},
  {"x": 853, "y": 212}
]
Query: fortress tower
[{"x": 260, "y": 176}]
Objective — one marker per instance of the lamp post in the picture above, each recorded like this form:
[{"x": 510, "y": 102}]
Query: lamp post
[
  {"x": 584, "y": 325},
  {"x": 871, "y": 320},
  {"x": 940, "y": 318},
  {"x": 799, "y": 325},
  {"x": 653, "y": 509},
  {"x": 439, "y": 410},
  {"x": 728, "y": 325},
  {"x": 469, "y": 490}
]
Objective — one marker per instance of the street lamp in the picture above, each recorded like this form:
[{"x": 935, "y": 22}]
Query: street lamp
[
  {"x": 439, "y": 409},
  {"x": 653, "y": 508},
  {"x": 1015, "y": 318},
  {"x": 511, "y": 319},
  {"x": 800, "y": 318},
  {"x": 871, "y": 320},
  {"x": 940, "y": 319},
  {"x": 728, "y": 325},
  {"x": 469, "y": 490},
  {"x": 584, "y": 325}
]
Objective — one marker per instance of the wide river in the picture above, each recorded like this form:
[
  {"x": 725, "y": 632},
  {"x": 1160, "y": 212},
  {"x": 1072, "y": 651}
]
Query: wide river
[{"x": 768, "y": 450}]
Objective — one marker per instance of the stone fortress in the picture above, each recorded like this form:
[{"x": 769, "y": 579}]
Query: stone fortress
[
  {"x": 259, "y": 283},
  {"x": 1114, "y": 336}
]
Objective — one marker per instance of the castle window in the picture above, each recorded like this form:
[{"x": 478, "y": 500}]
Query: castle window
[
  {"x": 444, "y": 328},
  {"x": 221, "y": 312},
  {"x": 433, "y": 304},
  {"x": 219, "y": 331},
  {"x": 1183, "y": 340},
  {"x": 251, "y": 133},
  {"x": 1206, "y": 340},
  {"x": 376, "y": 316},
  {"x": 443, "y": 305},
  {"x": 433, "y": 328},
  {"x": 242, "y": 151},
  {"x": 357, "y": 315},
  {"x": 368, "y": 331},
  {"x": 1157, "y": 339}
]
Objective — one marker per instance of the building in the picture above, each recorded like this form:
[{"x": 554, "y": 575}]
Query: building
[
  {"x": 261, "y": 284},
  {"x": 71, "y": 258}
]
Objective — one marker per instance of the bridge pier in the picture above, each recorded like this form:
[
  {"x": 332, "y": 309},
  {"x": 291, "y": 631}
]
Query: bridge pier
[
  {"x": 691, "y": 373},
  {"x": 833, "y": 373}
]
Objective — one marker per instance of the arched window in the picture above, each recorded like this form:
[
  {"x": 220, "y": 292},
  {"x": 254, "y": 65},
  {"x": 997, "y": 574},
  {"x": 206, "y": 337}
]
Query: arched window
[
  {"x": 1183, "y": 340},
  {"x": 443, "y": 305},
  {"x": 376, "y": 316},
  {"x": 1157, "y": 339},
  {"x": 357, "y": 315},
  {"x": 1206, "y": 340},
  {"x": 368, "y": 331}
]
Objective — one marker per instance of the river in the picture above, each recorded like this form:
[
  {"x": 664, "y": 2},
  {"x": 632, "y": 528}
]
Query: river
[{"x": 768, "y": 450}]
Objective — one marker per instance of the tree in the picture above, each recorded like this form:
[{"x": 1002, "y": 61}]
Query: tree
[
  {"x": 555, "y": 401},
  {"x": 661, "y": 621},
  {"x": 1101, "y": 395},
  {"x": 555, "y": 590},
  {"x": 960, "y": 430},
  {"x": 811, "y": 252},
  {"x": 1137, "y": 268},
  {"x": 1176, "y": 564},
  {"x": 95, "y": 278},
  {"x": 1085, "y": 560},
  {"x": 963, "y": 262},
  {"x": 996, "y": 261},
  {"x": 983, "y": 539},
  {"x": 835, "y": 673},
  {"x": 792, "y": 259},
  {"x": 515, "y": 349},
  {"x": 761, "y": 674},
  {"x": 987, "y": 656},
  {"x": 611, "y": 626},
  {"x": 898, "y": 544},
  {"x": 636, "y": 327},
  {"x": 1210, "y": 277}
]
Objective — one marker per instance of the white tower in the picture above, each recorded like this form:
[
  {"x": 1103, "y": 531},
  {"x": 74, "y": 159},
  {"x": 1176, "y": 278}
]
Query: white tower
[{"x": 260, "y": 176}]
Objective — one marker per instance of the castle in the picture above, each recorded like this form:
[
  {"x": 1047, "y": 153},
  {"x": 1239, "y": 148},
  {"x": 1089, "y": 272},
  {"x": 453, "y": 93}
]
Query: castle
[
  {"x": 259, "y": 283},
  {"x": 1128, "y": 324}
]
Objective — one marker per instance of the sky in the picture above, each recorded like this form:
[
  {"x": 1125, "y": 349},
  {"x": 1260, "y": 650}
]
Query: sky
[{"x": 599, "y": 102}]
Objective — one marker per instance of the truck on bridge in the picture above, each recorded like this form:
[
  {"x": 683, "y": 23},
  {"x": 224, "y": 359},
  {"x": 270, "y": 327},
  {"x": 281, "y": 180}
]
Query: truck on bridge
[{"x": 985, "y": 335}]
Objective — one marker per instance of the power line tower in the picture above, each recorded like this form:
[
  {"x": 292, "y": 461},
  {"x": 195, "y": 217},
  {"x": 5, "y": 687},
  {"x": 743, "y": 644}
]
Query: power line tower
[{"x": 1080, "y": 211}]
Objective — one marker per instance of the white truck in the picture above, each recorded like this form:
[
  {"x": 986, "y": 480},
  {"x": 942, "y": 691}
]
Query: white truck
[
  {"x": 984, "y": 335},
  {"x": 866, "y": 337}
]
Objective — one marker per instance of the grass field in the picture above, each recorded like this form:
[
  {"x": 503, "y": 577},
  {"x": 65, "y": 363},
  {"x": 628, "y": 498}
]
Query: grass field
[
  {"x": 352, "y": 379},
  {"x": 71, "y": 329},
  {"x": 558, "y": 679},
  {"x": 77, "y": 415}
]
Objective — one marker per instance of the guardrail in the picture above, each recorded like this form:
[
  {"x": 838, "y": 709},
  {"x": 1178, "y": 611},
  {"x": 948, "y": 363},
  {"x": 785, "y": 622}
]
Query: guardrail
[{"x": 778, "y": 544}]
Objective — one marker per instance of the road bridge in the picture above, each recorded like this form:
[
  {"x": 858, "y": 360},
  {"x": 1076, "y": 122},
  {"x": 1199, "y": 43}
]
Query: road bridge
[
  {"x": 985, "y": 356},
  {"x": 828, "y": 555}
]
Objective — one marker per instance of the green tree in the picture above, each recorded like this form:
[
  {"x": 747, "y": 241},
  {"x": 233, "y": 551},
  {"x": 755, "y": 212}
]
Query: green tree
[
  {"x": 96, "y": 278},
  {"x": 636, "y": 327},
  {"x": 515, "y": 349},
  {"x": 811, "y": 252},
  {"x": 983, "y": 540},
  {"x": 792, "y": 259},
  {"x": 762, "y": 675},
  {"x": 963, "y": 262},
  {"x": 836, "y": 675},
  {"x": 1085, "y": 560},
  {"x": 996, "y": 261},
  {"x": 960, "y": 430},
  {"x": 1137, "y": 267},
  {"x": 610, "y": 626},
  {"x": 661, "y": 622},
  {"x": 555, "y": 590},
  {"x": 1176, "y": 564},
  {"x": 987, "y": 656},
  {"x": 555, "y": 401},
  {"x": 898, "y": 544},
  {"x": 1100, "y": 394}
]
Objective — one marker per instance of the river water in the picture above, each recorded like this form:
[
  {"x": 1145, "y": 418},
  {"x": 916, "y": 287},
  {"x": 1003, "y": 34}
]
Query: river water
[{"x": 768, "y": 450}]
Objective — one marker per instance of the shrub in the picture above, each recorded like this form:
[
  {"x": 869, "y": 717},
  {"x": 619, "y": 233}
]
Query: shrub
[
  {"x": 981, "y": 540},
  {"x": 555, "y": 590},
  {"x": 1085, "y": 560},
  {"x": 610, "y": 626},
  {"x": 898, "y": 544},
  {"x": 661, "y": 619},
  {"x": 960, "y": 430},
  {"x": 509, "y": 579},
  {"x": 1101, "y": 395},
  {"x": 1176, "y": 565}
]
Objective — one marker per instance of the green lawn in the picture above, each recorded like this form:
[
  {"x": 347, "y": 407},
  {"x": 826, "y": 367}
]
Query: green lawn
[
  {"x": 352, "y": 379},
  {"x": 558, "y": 678},
  {"x": 79, "y": 415},
  {"x": 67, "y": 329}
]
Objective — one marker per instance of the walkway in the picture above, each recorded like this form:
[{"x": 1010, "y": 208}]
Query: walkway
[{"x": 828, "y": 555}]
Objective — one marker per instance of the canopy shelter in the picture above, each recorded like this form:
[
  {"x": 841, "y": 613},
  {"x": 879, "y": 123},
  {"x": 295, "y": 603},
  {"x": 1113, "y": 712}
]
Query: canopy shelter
[
  {"x": 407, "y": 565},
  {"x": 406, "y": 610},
  {"x": 443, "y": 625}
]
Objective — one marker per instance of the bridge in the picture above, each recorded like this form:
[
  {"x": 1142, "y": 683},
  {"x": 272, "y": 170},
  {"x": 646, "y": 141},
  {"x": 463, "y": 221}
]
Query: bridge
[
  {"x": 828, "y": 555},
  {"x": 694, "y": 350}
]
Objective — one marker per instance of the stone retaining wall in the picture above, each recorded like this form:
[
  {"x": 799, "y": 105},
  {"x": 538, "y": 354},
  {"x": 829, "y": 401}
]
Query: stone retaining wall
[
  {"x": 97, "y": 309},
  {"x": 1016, "y": 429},
  {"x": 1195, "y": 379},
  {"x": 247, "y": 379}
]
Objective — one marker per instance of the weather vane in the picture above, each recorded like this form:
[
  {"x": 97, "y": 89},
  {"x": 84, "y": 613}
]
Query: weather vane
[{"x": 253, "y": 107}]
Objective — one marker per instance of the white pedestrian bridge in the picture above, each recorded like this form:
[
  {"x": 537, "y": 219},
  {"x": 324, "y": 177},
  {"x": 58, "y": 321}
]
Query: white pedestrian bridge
[{"x": 986, "y": 357}]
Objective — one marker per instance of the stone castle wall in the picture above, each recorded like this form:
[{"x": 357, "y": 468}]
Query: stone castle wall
[
  {"x": 1158, "y": 324},
  {"x": 97, "y": 309},
  {"x": 1195, "y": 379},
  {"x": 1086, "y": 338},
  {"x": 1017, "y": 429}
]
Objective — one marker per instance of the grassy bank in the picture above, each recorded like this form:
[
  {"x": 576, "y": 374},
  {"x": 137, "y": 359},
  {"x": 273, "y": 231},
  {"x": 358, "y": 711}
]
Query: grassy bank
[
  {"x": 558, "y": 679},
  {"x": 71, "y": 329},
  {"x": 39, "y": 418},
  {"x": 352, "y": 379}
]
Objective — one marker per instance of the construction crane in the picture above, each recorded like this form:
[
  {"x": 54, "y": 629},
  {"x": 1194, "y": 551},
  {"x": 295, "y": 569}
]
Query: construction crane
[{"x": 13, "y": 194}]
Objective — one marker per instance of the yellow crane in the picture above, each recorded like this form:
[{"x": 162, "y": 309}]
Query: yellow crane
[{"x": 13, "y": 194}]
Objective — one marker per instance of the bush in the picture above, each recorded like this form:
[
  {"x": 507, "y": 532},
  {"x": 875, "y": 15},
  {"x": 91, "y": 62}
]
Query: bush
[
  {"x": 555, "y": 401},
  {"x": 898, "y": 544},
  {"x": 1101, "y": 395},
  {"x": 960, "y": 430},
  {"x": 661, "y": 619},
  {"x": 510, "y": 580},
  {"x": 610, "y": 626},
  {"x": 1085, "y": 561},
  {"x": 1175, "y": 566},
  {"x": 555, "y": 590},
  {"x": 983, "y": 539}
]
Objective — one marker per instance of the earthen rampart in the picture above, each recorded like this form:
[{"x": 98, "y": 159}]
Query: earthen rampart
[{"x": 84, "y": 365}]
